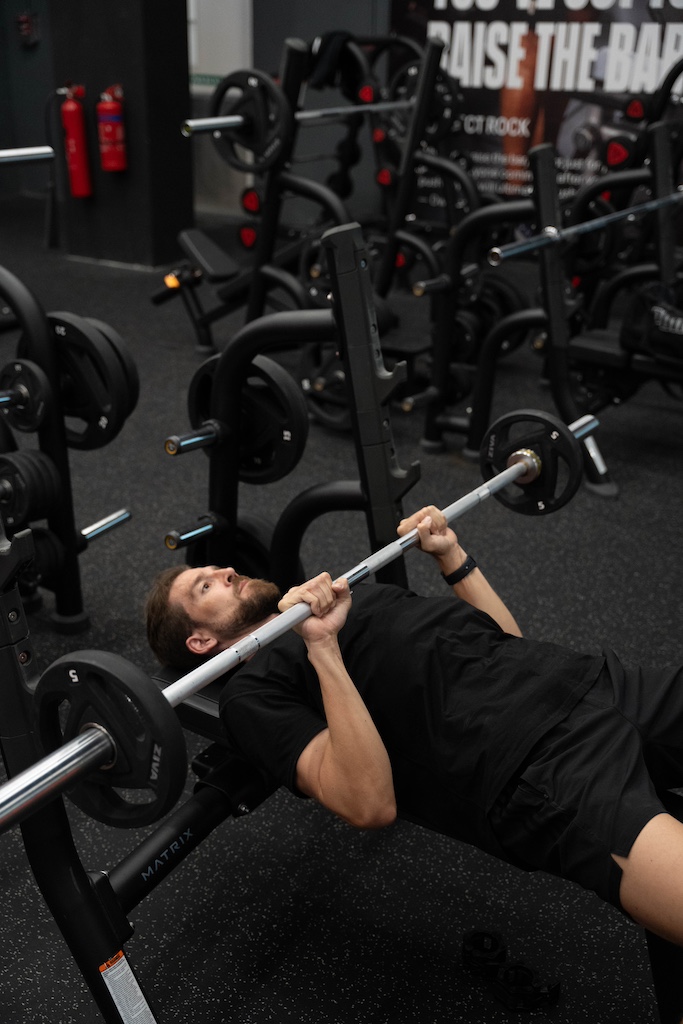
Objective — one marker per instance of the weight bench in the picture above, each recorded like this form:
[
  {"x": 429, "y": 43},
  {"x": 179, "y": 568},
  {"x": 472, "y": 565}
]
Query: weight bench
[
  {"x": 217, "y": 264},
  {"x": 198, "y": 713},
  {"x": 602, "y": 347}
]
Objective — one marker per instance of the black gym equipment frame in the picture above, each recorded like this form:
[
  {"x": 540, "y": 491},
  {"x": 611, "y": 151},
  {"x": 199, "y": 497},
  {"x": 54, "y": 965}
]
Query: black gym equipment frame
[
  {"x": 351, "y": 324},
  {"x": 90, "y": 908},
  {"x": 568, "y": 352},
  {"x": 272, "y": 259}
]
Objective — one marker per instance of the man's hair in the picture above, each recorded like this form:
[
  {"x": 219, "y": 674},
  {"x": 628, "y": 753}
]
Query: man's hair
[{"x": 168, "y": 624}]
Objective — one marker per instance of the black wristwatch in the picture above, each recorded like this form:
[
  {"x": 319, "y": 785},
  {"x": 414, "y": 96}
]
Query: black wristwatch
[{"x": 465, "y": 569}]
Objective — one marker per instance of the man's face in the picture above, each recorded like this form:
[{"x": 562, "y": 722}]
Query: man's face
[{"x": 224, "y": 603}]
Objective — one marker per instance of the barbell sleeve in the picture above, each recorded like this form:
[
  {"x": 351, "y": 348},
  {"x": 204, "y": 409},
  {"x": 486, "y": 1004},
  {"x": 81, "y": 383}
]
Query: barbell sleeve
[
  {"x": 245, "y": 648},
  {"x": 31, "y": 789},
  {"x": 555, "y": 236},
  {"x": 210, "y": 124}
]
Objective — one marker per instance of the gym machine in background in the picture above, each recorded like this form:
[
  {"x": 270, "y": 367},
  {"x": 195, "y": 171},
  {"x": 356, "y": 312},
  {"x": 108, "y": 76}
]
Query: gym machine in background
[
  {"x": 255, "y": 128},
  {"x": 117, "y": 747}
]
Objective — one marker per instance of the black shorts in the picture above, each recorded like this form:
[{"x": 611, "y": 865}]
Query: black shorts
[{"x": 593, "y": 782}]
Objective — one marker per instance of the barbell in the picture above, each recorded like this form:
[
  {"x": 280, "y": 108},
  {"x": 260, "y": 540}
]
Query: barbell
[
  {"x": 26, "y": 154},
  {"x": 259, "y": 119},
  {"x": 111, "y": 736},
  {"x": 551, "y": 235}
]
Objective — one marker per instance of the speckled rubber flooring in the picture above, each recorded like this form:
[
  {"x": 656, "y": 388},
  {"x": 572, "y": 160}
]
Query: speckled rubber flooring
[{"x": 288, "y": 915}]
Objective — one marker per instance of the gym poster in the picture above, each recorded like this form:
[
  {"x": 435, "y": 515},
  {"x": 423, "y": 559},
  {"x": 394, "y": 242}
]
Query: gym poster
[{"x": 531, "y": 71}]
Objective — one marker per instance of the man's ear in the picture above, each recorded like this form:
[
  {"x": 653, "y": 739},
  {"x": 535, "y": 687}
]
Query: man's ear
[{"x": 201, "y": 644}]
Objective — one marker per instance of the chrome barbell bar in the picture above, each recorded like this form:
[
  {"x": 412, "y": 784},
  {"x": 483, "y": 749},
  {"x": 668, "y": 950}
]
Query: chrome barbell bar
[
  {"x": 215, "y": 124},
  {"x": 27, "y": 792},
  {"x": 26, "y": 153},
  {"x": 555, "y": 236}
]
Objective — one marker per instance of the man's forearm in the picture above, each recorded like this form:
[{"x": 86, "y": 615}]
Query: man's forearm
[{"x": 477, "y": 591}]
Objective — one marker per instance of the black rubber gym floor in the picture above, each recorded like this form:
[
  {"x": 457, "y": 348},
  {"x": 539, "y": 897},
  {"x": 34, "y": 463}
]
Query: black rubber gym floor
[{"x": 289, "y": 915}]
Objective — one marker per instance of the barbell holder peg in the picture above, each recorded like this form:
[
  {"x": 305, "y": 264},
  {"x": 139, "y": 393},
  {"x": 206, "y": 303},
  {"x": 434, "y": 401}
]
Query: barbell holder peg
[
  {"x": 105, "y": 524},
  {"x": 25, "y": 793},
  {"x": 551, "y": 235},
  {"x": 305, "y": 117},
  {"x": 204, "y": 436},
  {"x": 205, "y": 525},
  {"x": 521, "y": 465}
]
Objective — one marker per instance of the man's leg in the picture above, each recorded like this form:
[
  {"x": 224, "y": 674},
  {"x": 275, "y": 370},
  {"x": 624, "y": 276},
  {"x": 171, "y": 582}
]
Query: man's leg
[{"x": 651, "y": 889}]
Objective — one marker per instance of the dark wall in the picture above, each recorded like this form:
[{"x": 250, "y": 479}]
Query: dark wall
[
  {"x": 25, "y": 85},
  {"x": 134, "y": 215},
  {"x": 274, "y": 21}
]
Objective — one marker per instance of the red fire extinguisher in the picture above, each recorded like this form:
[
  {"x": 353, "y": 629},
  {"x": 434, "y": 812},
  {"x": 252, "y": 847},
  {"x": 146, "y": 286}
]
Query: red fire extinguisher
[
  {"x": 75, "y": 142},
  {"x": 111, "y": 131}
]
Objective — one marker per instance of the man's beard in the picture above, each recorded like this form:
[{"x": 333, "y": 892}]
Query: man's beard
[{"x": 257, "y": 604}]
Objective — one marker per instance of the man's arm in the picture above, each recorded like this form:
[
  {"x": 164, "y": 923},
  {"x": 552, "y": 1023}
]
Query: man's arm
[
  {"x": 438, "y": 540},
  {"x": 345, "y": 767}
]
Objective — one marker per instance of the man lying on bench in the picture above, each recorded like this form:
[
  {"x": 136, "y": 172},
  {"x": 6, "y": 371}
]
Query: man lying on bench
[{"x": 436, "y": 710}]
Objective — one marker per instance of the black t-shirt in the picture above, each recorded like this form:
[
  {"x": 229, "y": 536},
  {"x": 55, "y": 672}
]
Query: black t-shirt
[{"x": 457, "y": 702}]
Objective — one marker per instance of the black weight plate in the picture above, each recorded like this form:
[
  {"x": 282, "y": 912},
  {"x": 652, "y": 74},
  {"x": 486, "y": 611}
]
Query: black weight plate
[
  {"x": 93, "y": 389},
  {"x": 274, "y": 427},
  {"x": 99, "y": 688},
  {"x": 500, "y": 298},
  {"x": 122, "y": 353},
  {"x": 32, "y": 380},
  {"x": 29, "y": 486},
  {"x": 199, "y": 392},
  {"x": 273, "y": 418},
  {"x": 268, "y": 120},
  {"x": 552, "y": 441},
  {"x": 7, "y": 440}
]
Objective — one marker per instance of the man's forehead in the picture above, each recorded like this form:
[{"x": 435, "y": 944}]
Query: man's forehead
[{"x": 186, "y": 580}]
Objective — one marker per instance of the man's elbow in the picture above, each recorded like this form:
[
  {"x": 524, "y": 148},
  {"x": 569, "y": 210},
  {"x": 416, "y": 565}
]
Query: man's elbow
[{"x": 379, "y": 815}]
